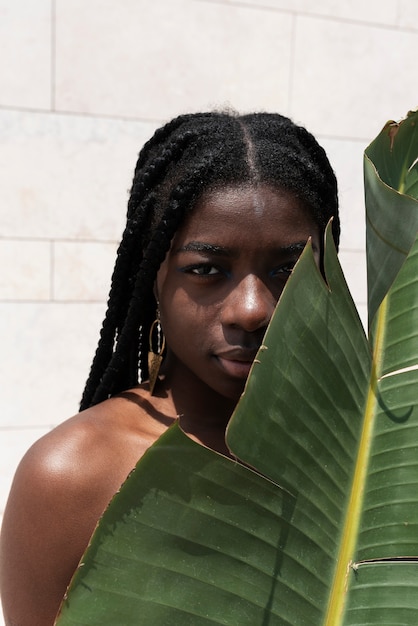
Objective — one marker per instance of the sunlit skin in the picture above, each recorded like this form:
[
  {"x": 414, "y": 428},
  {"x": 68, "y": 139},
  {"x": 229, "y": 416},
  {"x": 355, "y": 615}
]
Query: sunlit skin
[{"x": 217, "y": 290}]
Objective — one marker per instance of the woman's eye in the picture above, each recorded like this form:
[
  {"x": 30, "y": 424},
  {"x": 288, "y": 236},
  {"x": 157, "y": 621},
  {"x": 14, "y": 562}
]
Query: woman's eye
[
  {"x": 202, "y": 270},
  {"x": 283, "y": 270}
]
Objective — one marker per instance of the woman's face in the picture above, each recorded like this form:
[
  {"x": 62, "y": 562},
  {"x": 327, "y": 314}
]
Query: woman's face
[{"x": 220, "y": 282}]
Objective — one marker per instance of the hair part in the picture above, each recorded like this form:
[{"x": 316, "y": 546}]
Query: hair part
[{"x": 190, "y": 155}]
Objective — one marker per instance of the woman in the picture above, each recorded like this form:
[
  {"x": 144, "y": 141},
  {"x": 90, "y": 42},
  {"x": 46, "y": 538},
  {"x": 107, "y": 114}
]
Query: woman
[{"x": 220, "y": 209}]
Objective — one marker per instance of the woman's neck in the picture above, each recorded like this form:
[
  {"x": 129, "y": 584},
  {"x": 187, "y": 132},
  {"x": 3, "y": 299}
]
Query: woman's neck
[{"x": 203, "y": 414}]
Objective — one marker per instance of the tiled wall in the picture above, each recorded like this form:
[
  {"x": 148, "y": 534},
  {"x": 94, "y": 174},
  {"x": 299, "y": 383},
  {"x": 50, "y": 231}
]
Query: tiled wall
[{"x": 83, "y": 84}]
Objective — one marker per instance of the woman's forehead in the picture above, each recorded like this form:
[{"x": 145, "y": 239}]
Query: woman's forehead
[{"x": 255, "y": 208}]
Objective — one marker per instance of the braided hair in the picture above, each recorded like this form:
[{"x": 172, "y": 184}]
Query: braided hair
[{"x": 189, "y": 155}]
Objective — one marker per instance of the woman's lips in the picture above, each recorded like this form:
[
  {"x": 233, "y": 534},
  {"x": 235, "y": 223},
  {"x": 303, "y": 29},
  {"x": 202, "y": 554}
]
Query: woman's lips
[{"x": 236, "y": 366}]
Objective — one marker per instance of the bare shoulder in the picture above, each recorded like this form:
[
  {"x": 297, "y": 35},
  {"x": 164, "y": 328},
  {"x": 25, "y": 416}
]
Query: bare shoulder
[
  {"x": 61, "y": 488},
  {"x": 97, "y": 448},
  {"x": 76, "y": 468}
]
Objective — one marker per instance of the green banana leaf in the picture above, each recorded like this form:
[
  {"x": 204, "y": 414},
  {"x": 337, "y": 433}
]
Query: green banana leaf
[
  {"x": 320, "y": 526},
  {"x": 391, "y": 190}
]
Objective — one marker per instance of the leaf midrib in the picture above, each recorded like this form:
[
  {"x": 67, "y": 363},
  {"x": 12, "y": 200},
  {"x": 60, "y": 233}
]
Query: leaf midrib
[{"x": 338, "y": 593}]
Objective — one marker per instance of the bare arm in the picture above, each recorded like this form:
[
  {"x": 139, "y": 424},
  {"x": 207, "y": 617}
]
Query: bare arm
[
  {"x": 47, "y": 524},
  {"x": 60, "y": 490}
]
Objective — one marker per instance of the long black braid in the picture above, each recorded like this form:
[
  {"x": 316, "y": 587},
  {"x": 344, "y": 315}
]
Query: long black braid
[{"x": 184, "y": 158}]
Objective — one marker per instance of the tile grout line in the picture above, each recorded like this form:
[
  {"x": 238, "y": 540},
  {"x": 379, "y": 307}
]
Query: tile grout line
[{"x": 392, "y": 25}]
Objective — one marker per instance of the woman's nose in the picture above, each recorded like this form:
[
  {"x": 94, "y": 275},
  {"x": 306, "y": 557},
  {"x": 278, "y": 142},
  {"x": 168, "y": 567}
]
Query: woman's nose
[{"x": 249, "y": 305}]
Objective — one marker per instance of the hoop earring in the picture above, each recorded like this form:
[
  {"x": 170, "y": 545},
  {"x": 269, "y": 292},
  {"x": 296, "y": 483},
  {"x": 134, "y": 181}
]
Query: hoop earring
[{"x": 155, "y": 358}]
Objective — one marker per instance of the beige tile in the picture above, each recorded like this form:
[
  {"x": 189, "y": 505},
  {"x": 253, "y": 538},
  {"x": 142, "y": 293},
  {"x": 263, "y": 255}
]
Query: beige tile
[
  {"x": 25, "y": 270},
  {"x": 65, "y": 176},
  {"x": 349, "y": 79},
  {"x": 14, "y": 443},
  {"x": 346, "y": 158},
  {"x": 374, "y": 11},
  {"x": 362, "y": 311},
  {"x": 154, "y": 60},
  {"x": 46, "y": 355},
  {"x": 82, "y": 270},
  {"x": 355, "y": 272},
  {"x": 25, "y": 59},
  {"x": 408, "y": 14}
]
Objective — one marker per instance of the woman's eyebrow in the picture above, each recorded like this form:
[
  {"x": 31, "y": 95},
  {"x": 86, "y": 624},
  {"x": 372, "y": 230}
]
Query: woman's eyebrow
[
  {"x": 296, "y": 247},
  {"x": 201, "y": 246}
]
